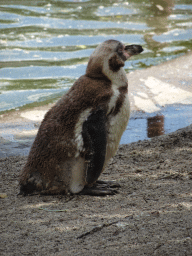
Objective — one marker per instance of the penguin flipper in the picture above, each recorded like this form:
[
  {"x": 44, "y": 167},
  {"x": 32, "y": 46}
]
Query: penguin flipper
[{"x": 95, "y": 142}]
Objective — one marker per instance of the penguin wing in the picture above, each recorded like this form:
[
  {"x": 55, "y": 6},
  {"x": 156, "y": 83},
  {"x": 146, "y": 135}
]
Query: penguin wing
[{"x": 95, "y": 142}]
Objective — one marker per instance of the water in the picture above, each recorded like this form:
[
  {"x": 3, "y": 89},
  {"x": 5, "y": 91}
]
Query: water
[
  {"x": 45, "y": 45},
  {"x": 148, "y": 126}
]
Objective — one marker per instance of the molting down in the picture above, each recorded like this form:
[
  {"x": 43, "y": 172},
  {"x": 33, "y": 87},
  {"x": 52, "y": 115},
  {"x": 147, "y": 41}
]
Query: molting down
[{"x": 82, "y": 131}]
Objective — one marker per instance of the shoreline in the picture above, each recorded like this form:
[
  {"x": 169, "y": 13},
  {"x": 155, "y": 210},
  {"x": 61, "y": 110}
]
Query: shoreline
[{"x": 151, "y": 91}]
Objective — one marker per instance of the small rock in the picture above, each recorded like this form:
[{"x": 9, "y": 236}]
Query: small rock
[{"x": 3, "y": 195}]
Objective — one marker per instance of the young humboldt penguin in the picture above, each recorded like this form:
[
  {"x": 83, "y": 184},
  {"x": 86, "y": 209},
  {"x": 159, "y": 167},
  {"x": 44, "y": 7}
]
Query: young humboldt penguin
[{"x": 82, "y": 131}]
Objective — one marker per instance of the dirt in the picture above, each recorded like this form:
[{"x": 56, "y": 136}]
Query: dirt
[{"x": 151, "y": 214}]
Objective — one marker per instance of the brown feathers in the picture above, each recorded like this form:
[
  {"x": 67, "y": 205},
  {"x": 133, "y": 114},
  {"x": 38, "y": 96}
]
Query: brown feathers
[
  {"x": 115, "y": 63},
  {"x": 90, "y": 117}
]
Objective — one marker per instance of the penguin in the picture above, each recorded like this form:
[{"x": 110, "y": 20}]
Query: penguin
[{"x": 81, "y": 132}]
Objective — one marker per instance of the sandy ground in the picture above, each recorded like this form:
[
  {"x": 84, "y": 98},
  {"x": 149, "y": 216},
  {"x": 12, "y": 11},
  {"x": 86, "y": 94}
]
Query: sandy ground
[{"x": 151, "y": 214}]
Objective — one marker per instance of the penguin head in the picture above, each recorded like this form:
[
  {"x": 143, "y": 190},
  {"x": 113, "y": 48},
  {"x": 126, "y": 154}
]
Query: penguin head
[{"x": 111, "y": 53}]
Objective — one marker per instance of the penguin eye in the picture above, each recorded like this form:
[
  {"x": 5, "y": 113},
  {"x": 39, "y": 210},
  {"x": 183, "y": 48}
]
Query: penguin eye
[
  {"x": 120, "y": 51},
  {"x": 119, "y": 48}
]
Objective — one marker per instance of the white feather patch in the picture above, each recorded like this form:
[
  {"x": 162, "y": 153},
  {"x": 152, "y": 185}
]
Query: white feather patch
[
  {"x": 117, "y": 125},
  {"x": 113, "y": 100},
  {"x": 118, "y": 78},
  {"x": 78, "y": 130},
  {"x": 77, "y": 175}
]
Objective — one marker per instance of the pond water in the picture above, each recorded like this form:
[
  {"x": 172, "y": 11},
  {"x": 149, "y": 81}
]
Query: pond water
[
  {"x": 169, "y": 120},
  {"x": 45, "y": 45}
]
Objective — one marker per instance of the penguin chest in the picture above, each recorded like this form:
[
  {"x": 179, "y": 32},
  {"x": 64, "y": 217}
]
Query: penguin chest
[{"x": 117, "y": 124}]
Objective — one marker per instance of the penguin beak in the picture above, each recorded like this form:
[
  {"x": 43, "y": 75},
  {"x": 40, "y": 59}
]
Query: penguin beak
[{"x": 131, "y": 50}]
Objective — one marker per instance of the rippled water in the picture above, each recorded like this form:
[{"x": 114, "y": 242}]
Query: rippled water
[{"x": 45, "y": 45}]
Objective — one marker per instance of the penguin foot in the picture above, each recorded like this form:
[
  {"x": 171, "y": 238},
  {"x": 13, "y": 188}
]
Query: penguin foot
[
  {"x": 97, "y": 192},
  {"x": 111, "y": 184},
  {"x": 101, "y": 188}
]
